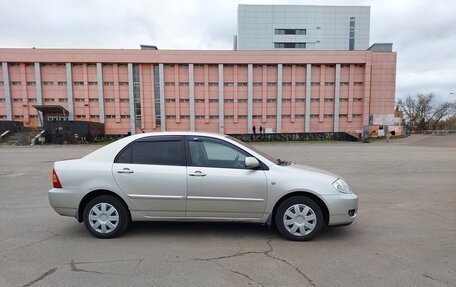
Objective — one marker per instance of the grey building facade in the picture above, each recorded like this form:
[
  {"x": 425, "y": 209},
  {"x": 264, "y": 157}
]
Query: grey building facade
[{"x": 302, "y": 27}]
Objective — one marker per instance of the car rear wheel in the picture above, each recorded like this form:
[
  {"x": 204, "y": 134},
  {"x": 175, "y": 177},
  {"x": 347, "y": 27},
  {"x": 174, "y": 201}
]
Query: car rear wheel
[
  {"x": 299, "y": 218},
  {"x": 106, "y": 216}
]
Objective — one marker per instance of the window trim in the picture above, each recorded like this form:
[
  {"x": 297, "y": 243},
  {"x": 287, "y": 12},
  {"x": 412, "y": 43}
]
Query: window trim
[{"x": 180, "y": 139}]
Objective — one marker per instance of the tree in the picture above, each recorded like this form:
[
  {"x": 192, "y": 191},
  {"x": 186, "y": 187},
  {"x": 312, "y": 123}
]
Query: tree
[{"x": 422, "y": 113}]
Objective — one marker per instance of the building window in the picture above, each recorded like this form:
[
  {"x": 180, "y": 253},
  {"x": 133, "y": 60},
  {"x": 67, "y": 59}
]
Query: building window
[
  {"x": 357, "y": 99},
  {"x": 168, "y": 65},
  {"x": 242, "y": 84},
  {"x": 31, "y": 100},
  {"x": 242, "y": 116},
  {"x": 257, "y": 100},
  {"x": 342, "y": 115},
  {"x": 358, "y": 83},
  {"x": 257, "y": 84},
  {"x": 29, "y": 65},
  {"x": 170, "y": 117},
  {"x": 328, "y": 116},
  {"x": 228, "y": 116},
  {"x": 199, "y": 100},
  {"x": 62, "y": 100},
  {"x": 286, "y": 45},
  {"x": 108, "y": 83},
  {"x": 78, "y": 83},
  {"x": 14, "y": 64},
  {"x": 77, "y": 65},
  {"x": 228, "y": 101},
  {"x": 2, "y": 116},
  {"x": 256, "y": 116},
  {"x": 286, "y": 116},
  {"x": 33, "y": 116},
  {"x": 48, "y": 83},
  {"x": 286, "y": 83},
  {"x": 213, "y": 100},
  {"x": 124, "y": 116},
  {"x": 198, "y": 84},
  {"x": 213, "y": 117},
  {"x": 271, "y": 116},
  {"x": 313, "y": 116},
  {"x": 93, "y": 83},
  {"x": 242, "y": 100},
  {"x": 79, "y": 100},
  {"x": 228, "y": 84},
  {"x": 93, "y": 100},
  {"x": 18, "y": 116},
  {"x": 80, "y": 116},
  {"x": 315, "y": 83},
  {"x": 300, "y": 116},
  {"x": 328, "y": 84},
  {"x": 183, "y": 84},
  {"x": 107, "y": 65},
  {"x": 1, "y": 83},
  {"x": 170, "y": 100},
  {"x": 290, "y": 31},
  {"x": 49, "y": 100},
  {"x": 356, "y": 115},
  {"x": 169, "y": 84},
  {"x": 300, "y": 100},
  {"x": 313, "y": 100},
  {"x": 62, "y": 83},
  {"x": 16, "y": 83},
  {"x": 300, "y": 83},
  {"x": 272, "y": 84},
  {"x": 213, "y": 84},
  {"x": 184, "y": 100},
  {"x": 123, "y": 84},
  {"x": 286, "y": 100},
  {"x": 109, "y": 100},
  {"x": 351, "y": 39},
  {"x": 31, "y": 83},
  {"x": 186, "y": 117},
  {"x": 183, "y": 65},
  {"x": 344, "y": 83},
  {"x": 110, "y": 116},
  {"x": 359, "y": 65},
  {"x": 199, "y": 117},
  {"x": 124, "y": 100},
  {"x": 343, "y": 100},
  {"x": 344, "y": 65},
  {"x": 271, "y": 100},
  {"x": 94, "y": 116},
  {"x": 329, "y": 100}
]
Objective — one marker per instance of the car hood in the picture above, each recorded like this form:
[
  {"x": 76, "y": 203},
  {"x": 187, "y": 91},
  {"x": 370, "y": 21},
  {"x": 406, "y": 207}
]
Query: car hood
[{"x": 309, "y": 169}]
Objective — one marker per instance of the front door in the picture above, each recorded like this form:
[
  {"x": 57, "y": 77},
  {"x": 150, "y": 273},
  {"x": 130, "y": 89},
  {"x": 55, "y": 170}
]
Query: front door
[
  {"x": 152, "y": 173},
  {"x": 219, "y": 184}
]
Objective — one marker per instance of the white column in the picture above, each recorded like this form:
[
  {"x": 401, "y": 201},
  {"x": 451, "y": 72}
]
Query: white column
[
  {"x": 191, "y": 94},
  {"x": 308, "y": 89},
  {"x": 6, "y": 86},
  {"x": 249, "y": 98},
  {"x": 131, "y": 96},
  {"x": 279, "y": 99},
  {"x": 70, "y": 92},
  {"x": 100, "y": 93},
  {"x": 39, "y": 91},
  {"x": 336, "y": 99},
  {"x": 162, "y": 98},
  {"x": 221, "y": 100}
]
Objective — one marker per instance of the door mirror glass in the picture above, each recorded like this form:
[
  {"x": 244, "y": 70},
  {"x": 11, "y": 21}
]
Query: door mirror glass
[{"x": 251, "y": 162}]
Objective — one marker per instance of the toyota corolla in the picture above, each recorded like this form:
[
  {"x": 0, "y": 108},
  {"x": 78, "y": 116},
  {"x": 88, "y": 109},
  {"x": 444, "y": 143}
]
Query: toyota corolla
[{"x": 197, "y": 177}]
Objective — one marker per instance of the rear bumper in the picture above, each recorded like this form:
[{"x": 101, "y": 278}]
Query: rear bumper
[
  {"x": 342, "y": 208},
  {"x": 64, "y": 201}
]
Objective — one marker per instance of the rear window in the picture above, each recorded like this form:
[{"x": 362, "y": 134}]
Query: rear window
[{"x": 153, "y": 152}]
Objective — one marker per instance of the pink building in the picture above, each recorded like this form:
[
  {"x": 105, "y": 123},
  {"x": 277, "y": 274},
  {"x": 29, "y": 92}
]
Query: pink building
[{"x": 216, "y": 91}]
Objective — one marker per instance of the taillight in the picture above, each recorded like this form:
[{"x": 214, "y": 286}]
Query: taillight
[{"x": 55, "y": 180}]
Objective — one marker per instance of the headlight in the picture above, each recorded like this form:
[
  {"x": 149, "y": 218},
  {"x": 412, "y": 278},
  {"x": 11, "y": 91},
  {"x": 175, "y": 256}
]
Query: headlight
[{"x": 342, "y": 186}]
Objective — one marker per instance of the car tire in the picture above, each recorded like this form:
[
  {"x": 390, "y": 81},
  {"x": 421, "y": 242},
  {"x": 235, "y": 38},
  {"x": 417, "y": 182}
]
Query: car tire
[
  {"x": 299, "y": 218},
  {"x": 106, "y": 216}
]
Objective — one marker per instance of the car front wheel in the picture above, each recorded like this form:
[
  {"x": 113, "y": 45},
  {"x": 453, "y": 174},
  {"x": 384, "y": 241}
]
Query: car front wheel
[
  {"x": 106, "y": 216},
  {"x": 299, "y": 218}
]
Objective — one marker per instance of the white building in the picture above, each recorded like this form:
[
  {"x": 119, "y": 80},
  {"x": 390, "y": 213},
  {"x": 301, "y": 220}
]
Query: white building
[{"x": 302, "y": 27}]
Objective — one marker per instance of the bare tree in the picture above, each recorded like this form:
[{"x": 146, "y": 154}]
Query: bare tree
[{"x": 421, "y": 112}]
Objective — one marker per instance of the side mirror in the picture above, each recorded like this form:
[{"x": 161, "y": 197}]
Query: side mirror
[{"x": 251, "y": 162}]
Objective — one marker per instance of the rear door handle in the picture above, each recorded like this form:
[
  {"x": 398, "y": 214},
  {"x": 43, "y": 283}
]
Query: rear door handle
[
  {"x": 197, "y": 173},
  {"x": 125, "y": 170}
]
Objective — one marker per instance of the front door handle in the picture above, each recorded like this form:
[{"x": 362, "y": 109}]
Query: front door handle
[
  {"x": 197, "y": 173},
  {"x": 125, "y": 170}
]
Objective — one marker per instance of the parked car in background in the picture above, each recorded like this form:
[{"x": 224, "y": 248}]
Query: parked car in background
[{"x": 197, "y": 176}]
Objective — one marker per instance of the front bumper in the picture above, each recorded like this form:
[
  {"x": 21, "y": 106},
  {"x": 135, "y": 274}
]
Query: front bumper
[{"x": 342, "y": 208}]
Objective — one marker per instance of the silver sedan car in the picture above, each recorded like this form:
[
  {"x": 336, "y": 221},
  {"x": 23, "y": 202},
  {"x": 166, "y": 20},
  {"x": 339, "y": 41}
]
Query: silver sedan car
[{"x": 197, "y": 177}]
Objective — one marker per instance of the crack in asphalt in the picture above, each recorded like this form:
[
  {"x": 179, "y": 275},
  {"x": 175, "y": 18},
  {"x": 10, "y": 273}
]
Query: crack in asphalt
[
  {"x": 74, "y": 268},
  {"x": 437, "y": 280},
  {"x": 266, "y": 253},
  {"x": 41, "y": 277}
]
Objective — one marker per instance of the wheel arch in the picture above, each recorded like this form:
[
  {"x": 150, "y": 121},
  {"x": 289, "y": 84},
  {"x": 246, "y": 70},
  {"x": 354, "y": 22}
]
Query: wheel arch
[
  {"x": 318, "y": 200},
  {"x": 91, "y": 195}
]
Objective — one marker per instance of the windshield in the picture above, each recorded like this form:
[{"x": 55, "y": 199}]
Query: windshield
[{"x": 263, "y": 154}]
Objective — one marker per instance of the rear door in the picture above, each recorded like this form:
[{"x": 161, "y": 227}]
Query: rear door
[
  {"x": 152, "y": 173},
  {"x": 219, "y": 184}
]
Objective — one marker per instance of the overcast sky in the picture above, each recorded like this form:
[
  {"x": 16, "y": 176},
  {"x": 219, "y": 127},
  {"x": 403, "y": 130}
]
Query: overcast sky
[{"x": 423, "y": 32}]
